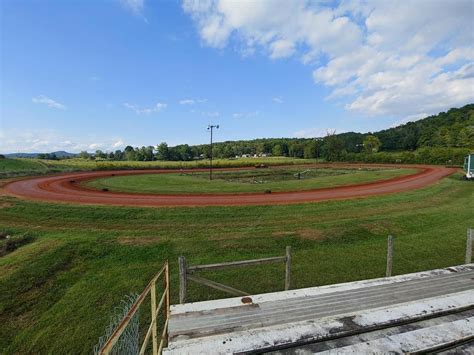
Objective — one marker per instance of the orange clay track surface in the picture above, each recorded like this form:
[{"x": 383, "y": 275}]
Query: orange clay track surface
[{"x": 67, "y": 188}]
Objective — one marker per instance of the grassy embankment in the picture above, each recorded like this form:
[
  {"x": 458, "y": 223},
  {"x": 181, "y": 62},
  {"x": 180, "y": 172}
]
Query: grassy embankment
[
  {"x": 57, "y": 292},
  {"x": 256, "y": 180}
]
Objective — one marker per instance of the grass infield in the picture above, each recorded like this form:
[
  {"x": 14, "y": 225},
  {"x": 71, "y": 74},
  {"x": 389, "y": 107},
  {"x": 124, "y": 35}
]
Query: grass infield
[{"x": 245, "y": 181}]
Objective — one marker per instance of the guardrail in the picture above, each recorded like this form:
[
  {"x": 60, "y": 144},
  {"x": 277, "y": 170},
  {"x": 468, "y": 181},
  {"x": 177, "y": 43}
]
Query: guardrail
[
  {"x": 188, "y": 273},
  {"x": 155, "y": 310}
]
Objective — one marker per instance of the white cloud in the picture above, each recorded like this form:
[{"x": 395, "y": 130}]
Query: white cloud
[
  {"x": 41, "y": 99},
  {"x": 136, "y": 6},
  {"x": 159, "y": 106},
  {"x": 46, "y": 141},
  {"x": 246, "y": 114},
  {"x": 118, "y": 144},
  {"x": 395, "y": 58},
  {"x": 277, "y": 99},
  {"x": 281, "y": 48},
  {"x": 313, "y": 132},
  {"x": 211, "y": 114},
  {"x": 191, "y": 101}
]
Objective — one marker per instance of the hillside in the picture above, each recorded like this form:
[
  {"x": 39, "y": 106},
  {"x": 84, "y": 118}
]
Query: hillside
[
  {"x": 454, "y": 128},
  {"x": 61, "y": 154},
  {"x": 451, "y": 129}
]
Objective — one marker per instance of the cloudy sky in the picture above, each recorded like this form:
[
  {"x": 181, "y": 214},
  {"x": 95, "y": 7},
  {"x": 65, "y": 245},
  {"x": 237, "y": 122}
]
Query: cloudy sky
[{"x": 87, "y": 75}]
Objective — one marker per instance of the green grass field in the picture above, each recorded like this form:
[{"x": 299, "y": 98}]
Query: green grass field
[
  {"x": 256, "y": 180},
  {"x": 23, "y": 166},
  {"x": 58, "y": 291}
]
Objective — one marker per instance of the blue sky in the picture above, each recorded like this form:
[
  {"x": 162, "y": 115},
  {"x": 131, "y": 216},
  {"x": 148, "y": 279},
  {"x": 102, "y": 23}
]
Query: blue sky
[{"x": 87, "y": 75}]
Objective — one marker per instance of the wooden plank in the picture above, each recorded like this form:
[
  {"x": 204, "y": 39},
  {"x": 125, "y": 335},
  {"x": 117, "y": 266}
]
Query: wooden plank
[
  {"x": 302, "y": 308},
  {"x": 261, "y": 319},
  {"x": 388, "y": 271},
  {"x": 182, "y": 279},
  {"x": 179, "y": 309},
  {"x": 288, "y": 268},
  {"x": 217, "y": 286},
  {"x": 368, "y": 336},
  {"x": 264, "y": 338},
  {"x": 218, "y": 266},
  {"x": 418, "y": 341}
]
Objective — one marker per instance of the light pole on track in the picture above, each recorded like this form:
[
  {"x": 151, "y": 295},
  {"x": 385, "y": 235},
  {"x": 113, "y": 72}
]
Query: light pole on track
[{"x": 211, "y": 128}]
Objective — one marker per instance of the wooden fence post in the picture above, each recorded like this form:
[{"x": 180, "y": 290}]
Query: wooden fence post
[
  {"x": 182, "y": 279},
  {"x": 388, "y": 272},
  {"x": 288, "y": 268},
  {"x": 469, "y": 246}
]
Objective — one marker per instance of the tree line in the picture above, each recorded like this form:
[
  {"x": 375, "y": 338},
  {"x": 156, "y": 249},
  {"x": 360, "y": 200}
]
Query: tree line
[{"x": 452, "y": 129}]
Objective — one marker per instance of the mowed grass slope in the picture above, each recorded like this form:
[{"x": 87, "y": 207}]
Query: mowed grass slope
[
  {"x": 256, "y": 180},
  {"x": 21, "y": 167},
  {"x": 57, "y": 293}
]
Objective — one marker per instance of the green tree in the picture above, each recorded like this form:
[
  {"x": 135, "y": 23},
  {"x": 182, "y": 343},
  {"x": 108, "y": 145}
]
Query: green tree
[
  {"x": 333, "y": 147},
  {"x": 277, "y": 151},
  {"x": 372, "y": 144},
  {"x": 129, "y": 153},
  {"x": 466, "y": 137},
  {"x": 163, "y": 152},
  {"x": 84, "y": 155},
  {"x": 311, "y": 150},
  {"x": 296, "y": 150}
]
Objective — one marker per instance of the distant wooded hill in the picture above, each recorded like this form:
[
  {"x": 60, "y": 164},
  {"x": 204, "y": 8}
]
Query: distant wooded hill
[
  {"x": 452, "y": 129},
  {"x": 61, "y": 154}
]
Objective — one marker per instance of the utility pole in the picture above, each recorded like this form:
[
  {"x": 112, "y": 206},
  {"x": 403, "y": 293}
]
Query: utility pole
[{"x": 211, "y": 128}]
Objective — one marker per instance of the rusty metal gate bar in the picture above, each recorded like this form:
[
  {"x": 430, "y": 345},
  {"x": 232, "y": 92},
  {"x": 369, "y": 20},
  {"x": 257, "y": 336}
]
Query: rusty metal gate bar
[{"x": 155, "y": 310}]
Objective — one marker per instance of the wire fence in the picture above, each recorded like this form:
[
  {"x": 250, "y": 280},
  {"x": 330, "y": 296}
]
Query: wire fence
[
  {"x": 125, "y": 334},
  {"x": 129, "y": 341}
]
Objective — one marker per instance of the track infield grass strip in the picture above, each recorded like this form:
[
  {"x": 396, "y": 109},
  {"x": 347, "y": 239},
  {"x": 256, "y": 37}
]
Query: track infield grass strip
[{"x": 247, "y": 181}]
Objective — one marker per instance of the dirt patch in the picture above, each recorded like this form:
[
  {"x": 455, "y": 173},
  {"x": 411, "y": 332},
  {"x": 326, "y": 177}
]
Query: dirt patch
[
  {"x": 311, "y": 234},
  {"x": 5, "y": 205},
  {"x": 283, "y": 234},
  {"x": 138, "y": 240},
  {"x": 380, "y": 227}
]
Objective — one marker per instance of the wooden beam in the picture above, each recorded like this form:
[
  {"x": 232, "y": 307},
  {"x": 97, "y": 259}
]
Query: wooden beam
[
  {"x": 217, "y": 286},
  {"x": 276, "y": 259}
]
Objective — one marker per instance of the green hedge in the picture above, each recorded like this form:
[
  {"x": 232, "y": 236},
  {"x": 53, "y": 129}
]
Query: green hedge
[{"x": 439, "y": 156}]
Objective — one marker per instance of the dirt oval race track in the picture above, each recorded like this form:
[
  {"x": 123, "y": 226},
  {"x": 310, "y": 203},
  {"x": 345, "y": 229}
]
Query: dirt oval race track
[{"x": 67, "y": 188}]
